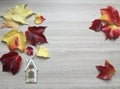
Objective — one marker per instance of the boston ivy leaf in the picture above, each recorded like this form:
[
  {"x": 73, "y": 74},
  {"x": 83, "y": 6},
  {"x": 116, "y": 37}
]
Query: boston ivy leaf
[
  {"x": 106, "y": 72},
  {"x": 96, "y": 25},
  {"x": 16, "y": 15},
  {"x": 11, "y": 62},
  {"x": 43, "y": 52},
  {"x": 15, "y": 40},
  {"x": 39, "y": 19},
  {"x": 29, "y": 50},
  {"x": 35, "y": 35},
  {"x": 110, "y": 15}
]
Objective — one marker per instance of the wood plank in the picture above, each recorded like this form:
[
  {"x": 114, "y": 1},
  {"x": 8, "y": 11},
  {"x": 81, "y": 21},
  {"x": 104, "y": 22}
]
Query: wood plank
[{"x": 74, "y": 49}]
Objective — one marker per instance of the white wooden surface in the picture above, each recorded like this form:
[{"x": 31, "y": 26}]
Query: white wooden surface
[{"x": 74, "y": 49}]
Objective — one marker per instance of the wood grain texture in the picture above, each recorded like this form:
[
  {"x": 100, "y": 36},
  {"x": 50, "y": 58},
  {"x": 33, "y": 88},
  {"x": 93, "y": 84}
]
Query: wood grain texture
[{"x": 74, "y": 49}]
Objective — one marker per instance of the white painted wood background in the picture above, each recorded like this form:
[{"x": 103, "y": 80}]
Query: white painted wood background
[{"x": 74, "y": 49}]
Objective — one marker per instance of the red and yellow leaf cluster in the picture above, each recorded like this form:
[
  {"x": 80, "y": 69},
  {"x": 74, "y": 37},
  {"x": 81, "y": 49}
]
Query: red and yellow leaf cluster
[
  {"x": 109, "y": 23},
  {"x": 16, "y": 40},
  {"x": 106, "y": 72}
]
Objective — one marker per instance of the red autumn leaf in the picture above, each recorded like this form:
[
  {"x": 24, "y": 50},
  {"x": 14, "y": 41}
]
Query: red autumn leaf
[
  {"x": 106, "y": 72},
  {"x": 110, "y": 15},
  {"x": 11, "y": 62},
  {"x": 29, "y": 50},
  {"x": 96, "y": 25},
  {"x": 111, "y": 31},
  {"x": 35, "y": 35}
]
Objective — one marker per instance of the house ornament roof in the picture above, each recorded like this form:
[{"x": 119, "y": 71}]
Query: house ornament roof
[{"x": 29, "y": 62}]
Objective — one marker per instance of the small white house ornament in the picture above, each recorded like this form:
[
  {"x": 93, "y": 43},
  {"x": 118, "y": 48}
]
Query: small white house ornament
[{"x": 31, "y": 72}]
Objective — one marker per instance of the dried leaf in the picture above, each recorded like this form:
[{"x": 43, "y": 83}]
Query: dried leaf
[
  {"x": 15, "y": 16},
  {"x": 111, "y": 31},
  {"x": 109, "y": 23},
  {"x": 10, "y": 24},
  {"x": 11, "y": 62},
  {"x": 43, "y": 52},
  {"x": 110, "y": 15},
  {"x": 96, "y": 25},
  {"x": 106, "y": 72},
  {"x": 35, "y": 35},
  {"x": 19, "y": 13},
  {"x": 39, "y": 19},
  {"x": 29, "y": 50},
  {"x": 15, "y": 40}
]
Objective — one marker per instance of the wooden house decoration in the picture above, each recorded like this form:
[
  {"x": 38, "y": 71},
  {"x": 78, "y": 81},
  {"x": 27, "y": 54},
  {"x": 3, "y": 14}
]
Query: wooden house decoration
[{"x": 31, "y": 72}]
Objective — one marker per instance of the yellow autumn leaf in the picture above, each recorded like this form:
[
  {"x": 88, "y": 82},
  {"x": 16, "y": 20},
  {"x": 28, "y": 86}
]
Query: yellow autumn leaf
[
  {"x": 39, "y": 19},
  {"x": 43, "y": 52},
  {"x": 19, "y": 13},
  {"x": 10, "y": 24},
  {"x": 15, "y": 40},
  {"x": 16, "y": 16}
]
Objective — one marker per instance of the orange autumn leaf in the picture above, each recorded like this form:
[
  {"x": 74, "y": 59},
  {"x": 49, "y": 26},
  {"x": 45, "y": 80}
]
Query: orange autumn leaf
[
  {"x": 106, "y": 72},
  {"x": 15, "y": 40},
  {"x": 10, "y": 24},
  {"x": 39, "y": 19},
  {"x": 110, "y": 15}
]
